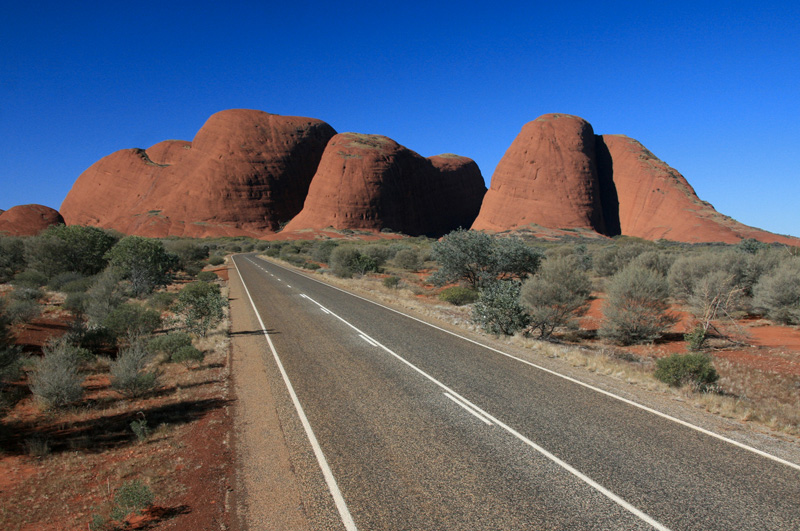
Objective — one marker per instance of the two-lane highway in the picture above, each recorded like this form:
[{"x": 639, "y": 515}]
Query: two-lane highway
[{"x": 415, "y": 428}]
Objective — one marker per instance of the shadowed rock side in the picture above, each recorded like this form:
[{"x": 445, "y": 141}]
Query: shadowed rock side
[
  {"x": 28, "y": 220},
  {"x": 547, "y": 177},
  {"x": 244, "y": 173},
  {"x": 371, "y": 182},
  {"x": 654, "y": 201}
]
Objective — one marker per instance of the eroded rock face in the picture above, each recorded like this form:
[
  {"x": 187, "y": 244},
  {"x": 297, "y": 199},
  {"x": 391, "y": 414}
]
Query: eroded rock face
[
  {"x": 654, "y": 201},
  {"x": 244, "y": 173},
  {"x": 371, "y": 182},
  {"x": 547, "y": 177},
  {"x": 28, "y": 220}
]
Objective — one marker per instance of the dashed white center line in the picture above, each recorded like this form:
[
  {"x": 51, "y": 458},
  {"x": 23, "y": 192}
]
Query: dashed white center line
[{"x": 469, "y": 409}]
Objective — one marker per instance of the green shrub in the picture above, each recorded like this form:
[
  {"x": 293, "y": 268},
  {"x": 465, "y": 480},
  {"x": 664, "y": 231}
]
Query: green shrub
[
  {"x": 76, "y": 303},
  {"x": 347, "y": 260},
  {"x": 391, "y": 282},
  {"x": 131, "y": 497},
  {"x": 56, "y": 380},
  {"x": 407, "y": 259},
  {"x": 693, "y": 369},
  {"x": 192, "y": 269},
  {"x": 312, "y": 266},
  {"x": 26, "y": 292},
  {"x": 273, "y": 252},
  {"x": 29, "y": 278},
  {"x": 57, "y": 282},
  {"x": 80, "y": 285},
  {"x": 162, "y": 300},
  {"x": 612, "y": 259},
  {"x": 23, "y": 310},
  {"x": 216, "y": 260},
  {"x": 128, "y": 372},
  {"x": 635, "y": 310},
  {"x": 206, "y": 276},
  {"x": 778, "y": 293},
  {"x": 498, "y": 310},
  {"x": 140, "y": 428},
  {"x": 105, "y": 294},
  {"x": 12, "y": 257},
  {"x": 144, "y": 262},
  {"x": 379, "y": 253},
  {"x": 322, "y": 249},
  {"x": 200, "y": 304},
  {"x": 132, "y": 320},
  {"x": 556, "y": 295},
  {"x": 169, "y": 343},
  {"x": 458, "y": 295},
  {"x": 187, "y": 354},
  {"x": 696, "y": 338}
]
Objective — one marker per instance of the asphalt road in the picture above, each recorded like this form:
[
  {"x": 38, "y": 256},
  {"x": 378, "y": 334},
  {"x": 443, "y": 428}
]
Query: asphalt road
[{"x": 422, "y": 430}]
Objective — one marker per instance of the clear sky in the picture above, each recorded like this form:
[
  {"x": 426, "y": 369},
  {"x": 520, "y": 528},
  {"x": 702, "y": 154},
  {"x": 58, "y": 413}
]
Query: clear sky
[{"x": 712, "y": 88}]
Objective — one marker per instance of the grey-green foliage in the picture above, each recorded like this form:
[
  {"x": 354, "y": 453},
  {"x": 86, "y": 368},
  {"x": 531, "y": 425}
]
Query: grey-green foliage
[
  {"x": 131, "y": 497},
  {"x": 613, "y": 258},
  {"x": 479, "y": 259},
  {"x": 778, "y": 293},
  {"x": 458, "y": 295},
  {"x": 322, "y": 249},
  {"x": 143, "y": 261},
  {"x": 407, "y": 259},
  {"x": 379, "y": 253},
  {"x": 658, "y": 261},
  {"x": 347, "y": 260},
  {"x": 169, "y": 343},
  {"x": 201, "y": 306},
  {"x": 129, "y": 320},
  {"x": 556, "y": 295},
  {"x": 129, "y": 374},
  {"x": 12, "y": 257},
  {"x": 105, "y": 294},
  {"x": 216, "y": 260},
  {"x": 56, "y": 380},
  {"x": 715, "y": 296},
  {"x": 187, "y": 354},
  {"x": 64, "y": 248},
  {"x": 636, "y": 307},
  {"x": 188, "y": 252},
  {"x": 498, "y": 309},
  {"x": 693, "y": 369},
  {"x": 9, "y": 353}
]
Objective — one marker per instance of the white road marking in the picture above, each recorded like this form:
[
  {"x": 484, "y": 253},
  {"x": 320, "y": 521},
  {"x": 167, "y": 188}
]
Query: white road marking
[
  {"x": 575, "y": 381},
  {"x": 469, "y": 409},
  {"x": 563, "y": 464},
  {"x": 333, "y": 487},
  {"x": 365, "y": 338}
]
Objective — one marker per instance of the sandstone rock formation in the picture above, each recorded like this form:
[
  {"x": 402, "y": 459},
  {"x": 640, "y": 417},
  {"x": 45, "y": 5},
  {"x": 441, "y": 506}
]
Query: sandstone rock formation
[
  {"x": 371, "y": 182},
  {"x": 28, "y": 220},
  {"x": 244, "y": 173},
  {"x": 547, "y": 177}
]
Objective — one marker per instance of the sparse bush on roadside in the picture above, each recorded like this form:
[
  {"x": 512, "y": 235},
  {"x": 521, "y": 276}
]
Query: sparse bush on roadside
[
  {"x": 713, "y": 301},
  {"x": 688, "y": 369},
  {"x": 778, "y": 293},
  {"x": 162, "y": 300},
  {"x": 132, "y": 320},
  {"x": 556, "y": 295},
  {"x": 187, "y": 354},
  {"x": 206, "y": 276},
  {"x": 407, "y": 259},
  {"x": 56, "y": 380},
  {"x": 65, "y": 248},
  {"x": 322, "y": 249},
  {"x": 379, "y": 253},
  {"x": 458, "y": 295},
  {"x": 193, "y": 269},
  {"x": 216, "y": 260},
  {"x": 129, "y": 374},
  {"x": 143, "y": 262},
  {"x": 636, "y": 307},
  {"x": 498, "y": 309},
  {"x": 200, "y": 304},
  {"x": 347, "y": 260},
  {"x": 169, "y": 343},
  {"x": 391, "y": 282}
]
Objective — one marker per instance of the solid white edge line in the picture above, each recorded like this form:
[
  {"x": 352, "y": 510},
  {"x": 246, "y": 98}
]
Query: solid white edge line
[
  {"x": 570, "y": 379},
  {"x": 368, "y": 340},
  {"x": 469, "y": 409},
  {"x": 563, "y": 464},
  {"x": 333, "y": 487}
]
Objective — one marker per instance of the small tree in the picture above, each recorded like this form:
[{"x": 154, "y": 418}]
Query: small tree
[
  {"x": 200, "y": 304},
  {"x": 636, "y": 307},
  {"x": 714, "y": 297},
  {"x": 142, "y": 261},
  {"x": 498, "y": 310},
  {"x": 557, "y": 294}
]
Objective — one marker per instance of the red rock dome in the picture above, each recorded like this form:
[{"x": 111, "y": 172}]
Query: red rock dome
[{"x": 28, "y": 220}]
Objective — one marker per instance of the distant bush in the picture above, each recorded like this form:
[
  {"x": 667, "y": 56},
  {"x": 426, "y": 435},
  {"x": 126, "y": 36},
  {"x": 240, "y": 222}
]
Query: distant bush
[
  {"x": 379, "y": 253},
  {"x": 692, "y": 369},
  {"x": 201, "y": 305},
  {"x": 458, "y": 295},
  {"x": 64, "y": 248},
  {"x": 636, "y": 307},
  {"x": 216, "y": 260},
  {"x": 23, "y": 310},
  {"x": 132, "y": 320},
  {"x": 170, "y": 343},
  {"x": 498, "y": 309},
  {"x": 557, "y": 294},
  {"x": 658, "y": 261},
  {"x": 142, "y": 261},
  {"x": 29, "y": 278},
  {"x": 778, "y": 293},
  {"x": 128, "y": 372},
  {"x": 407, "y": 259},
  {"x": 12, "y": 257},
  {"x": 391, "y": 282},
  {"x": 187, "y": 354},
  {"x": 321, "y": 251},
  {"x": 347, "y": 260},
  {"x": 206, "y": 276},
  {"x": 79, "y": 285},
  {"x": 162, "y": 300},
  {"x": 105, "y": 294},
  {"x": 613, "y": 258},
  {"x": 59, "y": 280},
  {"x": 56, "y": 379}
]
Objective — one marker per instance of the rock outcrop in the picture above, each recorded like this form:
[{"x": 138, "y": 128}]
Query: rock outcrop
[
  {"x": 28, "y": 220},
  {"x": 547, "y": 177},
  {"x": 244, "y": 173},
  {"x": 371, "y": 182}
]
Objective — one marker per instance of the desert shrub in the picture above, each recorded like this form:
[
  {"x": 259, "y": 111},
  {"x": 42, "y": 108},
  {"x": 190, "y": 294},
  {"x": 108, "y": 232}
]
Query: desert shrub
[
  {"x": 295, "y": 259},
  {"x": 778, "y": 293},
  {"x": 69, "y": 248},
  {"x": 714, "y": 296},
  {"x": 681, "y": 369},
  {"x": 26, "y": 292},
  {"x": 105, "y": 294},
  {"x": 658, "y": 261},
  {"x": 696, "y": 339},
  {"x": 193, "y": 268},
  {"x": 273, "y": 252},
  {"x": 80, "y": 285},
  {"x": 557, "y": 294},
  {"x": 129, "y": 374},
  {"x": 59, "y": 280},
  {"x": 187, "y": 354},
  {"x": 407, "y": 259},
  {"x": 12, "y": 257},
  {"x": 636, "y": 307},
  {"x": 611, "y": 259},
  {"x": 479, "y": 259},
  {"x": 322, "y": 249},
  {"x": 216, "y": 260},
  {"x": 168, "y": 344},
  {"x": 311, "y": 266},
  {"x": 206, "y": 276},
  {"x": 144, "y": 262},
  {"x": 200, "y": 304},
  {"x": 132, "y": 320},
  {"x": 379, "y": 253},
  {"x": 29, "y": 278},
  {"x": 391, "y": 282},
  {"x": 131, "y": 497},
  {"x": 9, "y": 353},
  {"x": 498, "y": 309},
  {"x": 751, "y": 246},
  {"x": 347, "y": 260},
  {"x": 686, "y": 271},
  {"x": 23, "y": 310},
  {"x": 56, "y": 380},
  {"x": 458, "y": 295},
  {"x": 189, "y": 253},
  {"x": 161, "y": 300}
]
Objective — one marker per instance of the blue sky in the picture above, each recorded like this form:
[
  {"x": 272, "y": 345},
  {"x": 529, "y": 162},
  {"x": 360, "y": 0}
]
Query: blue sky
[{"x": 711, "y": 88}]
